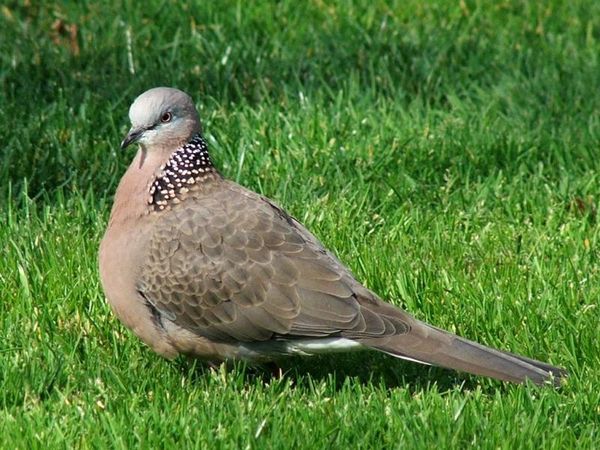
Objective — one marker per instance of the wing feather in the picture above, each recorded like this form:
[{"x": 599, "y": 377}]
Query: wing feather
[{"x": 234, "y": 266}]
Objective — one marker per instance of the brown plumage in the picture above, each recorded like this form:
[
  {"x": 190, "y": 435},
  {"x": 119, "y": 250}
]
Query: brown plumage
[{"x": 196, "y": 264}]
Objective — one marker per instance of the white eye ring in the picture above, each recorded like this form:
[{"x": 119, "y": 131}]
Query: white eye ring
[{"x": 166, "y": 117}]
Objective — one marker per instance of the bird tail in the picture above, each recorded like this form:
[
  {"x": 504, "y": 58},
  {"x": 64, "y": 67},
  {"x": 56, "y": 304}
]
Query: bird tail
[{"x": 430, "y": 345}]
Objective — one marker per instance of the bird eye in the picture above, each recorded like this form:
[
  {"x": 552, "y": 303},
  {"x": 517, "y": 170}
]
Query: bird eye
[{"x": 166, "y": 117}]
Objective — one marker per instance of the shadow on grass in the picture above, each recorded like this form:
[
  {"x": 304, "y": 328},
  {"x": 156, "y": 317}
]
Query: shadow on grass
[{"x": 366, "y": 368}]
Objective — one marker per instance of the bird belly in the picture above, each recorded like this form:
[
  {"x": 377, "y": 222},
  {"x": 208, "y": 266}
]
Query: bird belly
[{"x": 298, "y": 347}]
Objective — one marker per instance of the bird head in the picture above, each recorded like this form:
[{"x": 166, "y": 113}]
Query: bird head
[{"x": 163, "y": 118}]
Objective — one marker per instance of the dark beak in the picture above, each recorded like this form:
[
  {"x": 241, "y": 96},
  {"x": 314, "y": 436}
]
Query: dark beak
[{"x": 133, "y": 135}]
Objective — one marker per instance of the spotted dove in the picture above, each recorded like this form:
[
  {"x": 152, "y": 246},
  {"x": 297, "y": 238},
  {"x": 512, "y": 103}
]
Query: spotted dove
[{"x": 195, "y": 264}]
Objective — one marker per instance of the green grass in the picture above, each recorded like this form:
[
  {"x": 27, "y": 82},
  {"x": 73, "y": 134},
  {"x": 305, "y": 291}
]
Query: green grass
[{"x": 447, "y": 153}]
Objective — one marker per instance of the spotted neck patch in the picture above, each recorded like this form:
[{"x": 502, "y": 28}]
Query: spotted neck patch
[{"x": 188, "y": 165}]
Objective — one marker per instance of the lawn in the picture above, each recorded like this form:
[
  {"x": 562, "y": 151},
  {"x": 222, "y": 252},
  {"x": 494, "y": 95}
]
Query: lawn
[{"x": 447, "y": 152}]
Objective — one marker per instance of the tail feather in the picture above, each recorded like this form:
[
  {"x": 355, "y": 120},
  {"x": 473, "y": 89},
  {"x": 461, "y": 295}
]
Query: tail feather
[{"x": 430, "y": 345}]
